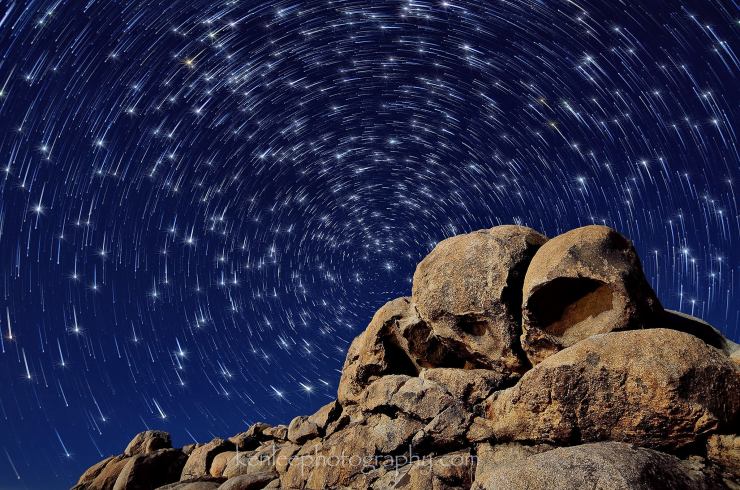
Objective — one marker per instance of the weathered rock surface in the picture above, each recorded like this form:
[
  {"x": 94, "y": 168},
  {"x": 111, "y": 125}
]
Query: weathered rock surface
[
  {"x": 220, "y": 462},
  {"x": 518, "y": 363},
  {"x": 302, "y": 429},
  {"x": 147, "y": 442},
  {"x": 606, "y": 465},
  {"x": 491, "y": 457},
  {"x": 151, "y": 470},
  {"x": 380, "y": 350},
  {"x": 469, "y": 290},
  {"x": 724, "y": 451},
  {"x": 584, "y": 282},
  {"x": 655, "y": 388},
  {"x": 252, "y": 481},
  {"x": 447, "y": 472},
  {"x": 199, "y": 462},
  {"x": 675, "y": 320},
  {"x": 201, "y": 483},
  {"x": 102, "y": 474}
]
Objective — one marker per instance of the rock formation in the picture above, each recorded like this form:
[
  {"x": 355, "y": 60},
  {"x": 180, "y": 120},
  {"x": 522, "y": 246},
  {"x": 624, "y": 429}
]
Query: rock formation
[{"x": 518, "y": 363}]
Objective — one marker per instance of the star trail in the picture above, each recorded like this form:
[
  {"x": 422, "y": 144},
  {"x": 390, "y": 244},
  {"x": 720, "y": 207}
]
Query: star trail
[{"x": 203, "y": 202}]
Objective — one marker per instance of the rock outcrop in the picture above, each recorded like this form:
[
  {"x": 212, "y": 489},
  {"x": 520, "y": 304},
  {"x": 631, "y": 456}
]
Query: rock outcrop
[{"x": 518, "y": 362}]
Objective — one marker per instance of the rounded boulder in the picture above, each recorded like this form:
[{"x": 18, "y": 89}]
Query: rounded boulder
[{"x": 469, "y": 291}]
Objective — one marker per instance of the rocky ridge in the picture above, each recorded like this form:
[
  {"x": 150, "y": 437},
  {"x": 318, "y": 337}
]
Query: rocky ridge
[{"x": 518, "y": 362}]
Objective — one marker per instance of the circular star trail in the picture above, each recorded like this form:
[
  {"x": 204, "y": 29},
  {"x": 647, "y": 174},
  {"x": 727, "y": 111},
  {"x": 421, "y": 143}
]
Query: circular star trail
[{"x": 203, "y": 202}]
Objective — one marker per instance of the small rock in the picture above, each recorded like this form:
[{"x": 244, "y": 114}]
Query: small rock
[
  {"x": 263, "y": 459},
  {"x": 480, "y": 430},
  {"x": 655, "y": 388},
  {"x": 391, "y": 434},
  {"x": 334, "y": 461},
  {"x": 607, "y": 465},
  {"x": 302, "y": 429},
  {"x": 257, "y": 429},
  {"x": 284, "y": 456},
  {"x": 279, "y": 432},
  {"x": 469, "y": 291},
  {"x": 581, "y": 283}
]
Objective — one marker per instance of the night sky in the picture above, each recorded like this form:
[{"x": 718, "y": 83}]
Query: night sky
[{"x": 203, "y": 202}]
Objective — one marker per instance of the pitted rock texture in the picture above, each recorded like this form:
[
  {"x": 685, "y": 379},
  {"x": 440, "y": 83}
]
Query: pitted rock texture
[
  {"x": 469, "y": 290},
  {"x": 518, "y": 363},
  {"x": 584, "y": 282}
]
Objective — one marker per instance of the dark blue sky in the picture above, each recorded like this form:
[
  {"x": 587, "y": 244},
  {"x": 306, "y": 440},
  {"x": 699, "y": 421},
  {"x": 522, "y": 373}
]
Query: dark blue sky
[{"x": 203, "y": 202}]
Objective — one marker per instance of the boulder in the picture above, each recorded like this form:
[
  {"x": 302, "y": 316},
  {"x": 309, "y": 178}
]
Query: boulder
[
  {"x": 253, "y": 481},
  {"x": 92, "y": 472},
  {"x": 446, "y": 472},
  {"x": 302, "y": 429},
  {"x": 724, "y": 451},
  {"x": 256, "y": 434},
  {"x": 697, "y": 327},
  {"x": 489, "y": 457},
  {"x": 279, "y": 432},
  {"x": 654, "y": 388},
  {"x": 147, "y": 442},
  {"x": 378, "y": 351},
  {"x": 201, "y": 483},
  {"x": 469, "y": 291},
  {"x": 605, "y": 465},
  {"x": 108, "y": 474},
  {"x": 261, "y": 460},
  {"x": 151, "y": 470},
  {"x": 346, "y": 455},
  {"x": 284, "y": 455},
  {"x": 390, "y": 434},
  {"x": 517, "y": 363},
  {"x": 581, "y": 283},
  {"x": 471, "y": 386},
  {"x": 422, "y": 398},
  {"x": 220, "y": 461},
  {"x": 445, "y": 432},
  {"x": 199, "y": 461},
  {"x": 326, "y": 415}
]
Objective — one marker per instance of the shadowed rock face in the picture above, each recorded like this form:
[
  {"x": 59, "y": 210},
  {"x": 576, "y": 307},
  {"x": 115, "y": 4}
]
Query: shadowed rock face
[
  {"x": 518, "y": 363},
  {"x": 610, "y": 465}
]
